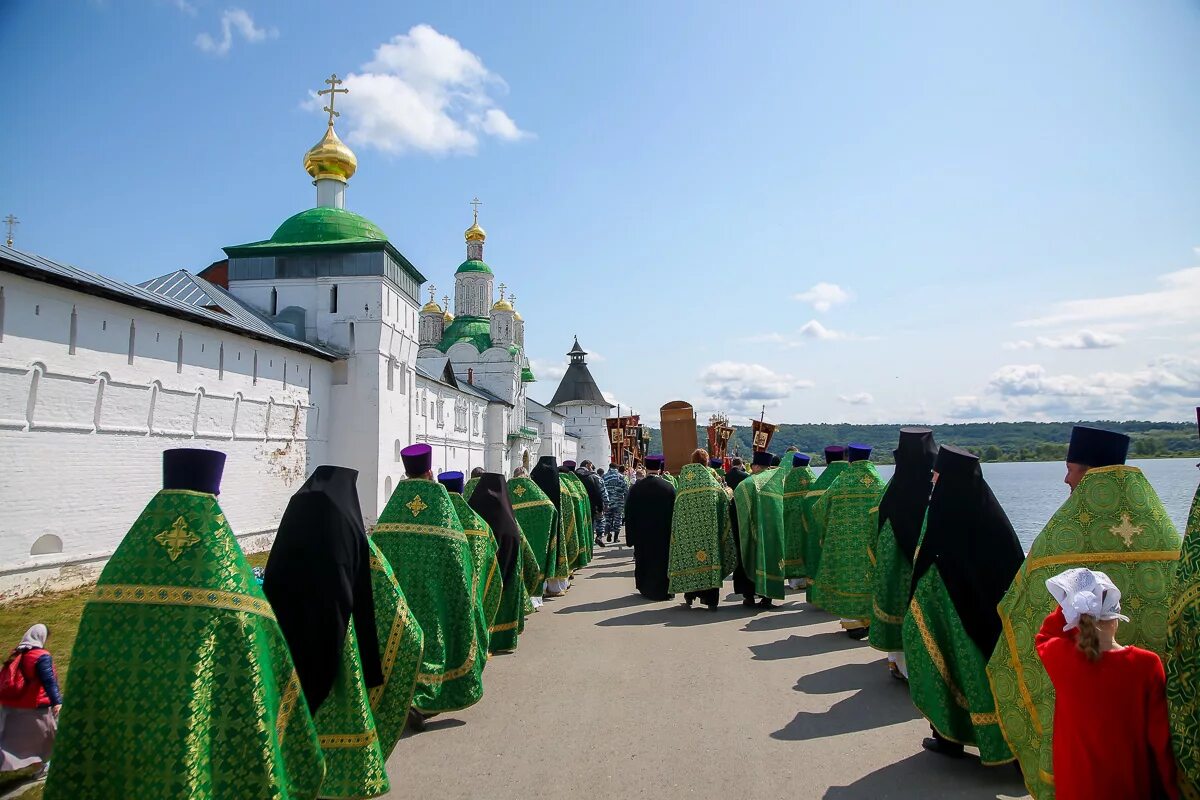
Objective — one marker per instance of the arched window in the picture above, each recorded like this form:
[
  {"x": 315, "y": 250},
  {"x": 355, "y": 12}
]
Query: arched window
[
  {"x": 274, "y": 301},
  {"x": 47, "y": 544}
]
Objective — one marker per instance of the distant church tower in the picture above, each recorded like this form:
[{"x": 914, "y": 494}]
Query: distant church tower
[
  {"x": 473, "y": 280},
  {"x": 581, "y": 401}
]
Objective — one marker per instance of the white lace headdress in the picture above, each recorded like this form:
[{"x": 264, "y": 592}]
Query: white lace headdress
[{"x": 1081, "y": 591}]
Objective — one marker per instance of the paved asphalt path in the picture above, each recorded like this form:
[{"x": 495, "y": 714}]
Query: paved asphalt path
[{"x": 612, "y": 696}]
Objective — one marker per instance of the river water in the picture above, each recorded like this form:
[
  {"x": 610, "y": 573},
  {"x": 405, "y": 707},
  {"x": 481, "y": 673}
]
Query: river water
[{"x": 1031, "y": 491}]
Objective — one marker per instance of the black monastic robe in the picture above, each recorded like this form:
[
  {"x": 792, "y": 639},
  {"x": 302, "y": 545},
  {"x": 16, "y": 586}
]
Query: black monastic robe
[{"x": 648, "y": 510}]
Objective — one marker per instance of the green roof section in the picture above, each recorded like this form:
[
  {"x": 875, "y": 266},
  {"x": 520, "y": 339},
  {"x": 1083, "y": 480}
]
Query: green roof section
[
  {"x": 322, "y": 225},
  {"x": 527, "y": 375},
  {"x": 473, "y": 265},
  {"x": 472, "y": 330},
  {"x": 524, "y": 433}
]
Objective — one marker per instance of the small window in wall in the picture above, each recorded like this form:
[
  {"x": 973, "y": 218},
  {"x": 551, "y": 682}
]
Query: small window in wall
[
  {"x": 274, "y": 301},
  {"x": 333, "y": 299},
  {"x": 398, "y": 448},
  {"x": 221, "y": 363},
  {"x": 254, "y": 379},
  {"x": 132, "y": 337},
  {"x": 46, "y": 545},
  {"x": 391, "y": 374},
  {"x": 179, "y": 355},
  {"x": 73, "y": 334}
]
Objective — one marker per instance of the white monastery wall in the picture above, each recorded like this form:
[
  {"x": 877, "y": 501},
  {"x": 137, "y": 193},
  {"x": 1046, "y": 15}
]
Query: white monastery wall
[
  {"x": 453, "y": 423},
  {"x": 587, "y": 422},
  {"x": 92, "y": 391}
]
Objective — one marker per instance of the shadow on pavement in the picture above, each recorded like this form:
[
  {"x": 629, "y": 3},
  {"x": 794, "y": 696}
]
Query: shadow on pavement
[
  {"x": 879, "y": 701},
  {"x": 792, "y": 619},
  {"x": 927, "y": 775},
  {"x": 611, "y": 604},
  {"x": 798, "y": 646},
  {"x": 677, "y": 615},
  {"x": 628, "y": 573}
]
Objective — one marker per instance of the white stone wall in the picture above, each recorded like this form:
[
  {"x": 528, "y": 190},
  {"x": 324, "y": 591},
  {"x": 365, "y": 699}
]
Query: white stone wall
[
  {"x": 587, "y": 422},
  {"x": 453, "y": 423},
  {"x": 84, "y": 421}
]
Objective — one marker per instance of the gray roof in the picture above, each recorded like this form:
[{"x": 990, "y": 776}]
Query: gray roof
[
  {"x": 535, "y": 406},
  {"x": 577, "y": 384},
  {"x": 439, "y": 370},
  {"x": 180, "y": 298}
]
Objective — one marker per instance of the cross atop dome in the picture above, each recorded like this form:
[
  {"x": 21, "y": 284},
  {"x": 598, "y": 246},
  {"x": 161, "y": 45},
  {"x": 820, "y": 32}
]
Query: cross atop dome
[{"x": 330, "y": 162}]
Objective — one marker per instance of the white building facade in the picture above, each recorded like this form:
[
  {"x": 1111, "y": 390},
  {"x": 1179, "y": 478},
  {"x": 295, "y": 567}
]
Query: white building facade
[{"x": 307, "y": 348}]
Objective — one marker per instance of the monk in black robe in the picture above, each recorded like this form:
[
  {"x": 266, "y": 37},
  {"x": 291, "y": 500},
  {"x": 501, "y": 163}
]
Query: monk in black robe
[{"x": 648, "y": 511}]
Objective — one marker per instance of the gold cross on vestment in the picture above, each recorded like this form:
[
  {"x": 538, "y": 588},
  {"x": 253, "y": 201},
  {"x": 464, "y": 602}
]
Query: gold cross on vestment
[
  {"x": 333, "y": 92},
  {"x": 519, "y": 491},
  {"x": 177, "y": 539},
  {"x": 1126, "y": 530},
  {"x": 416, "y": 505}
]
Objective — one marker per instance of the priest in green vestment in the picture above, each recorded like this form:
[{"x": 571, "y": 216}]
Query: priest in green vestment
[
  {"x": 1182, "y": 661},
  {"x": 583, "y": 515},
  {"x": 835, "y": 462},
  {"x": 901, "y": 518},
  {"x": 1113, "y": 522},
  {"x": 796, "y": 483},
  {"x": 318, "y": 581},
  {"x": 182, "y": 686},
  {"x": 965, "y": 561},
  {"x": 546, "y": 476},
  {"x": 537, "y": 517},
  {"x": 419, "y": 534},
  {"x": 744, "y": 524},
  {"x": 486, "y": 585},
  {"x": 701, "y": 552},
  {"x": 848, "y": 526},
  {"x": 760, "y": 525},
  {"x": 403, "y": 644},
  {"x": 490, "y": 501}
]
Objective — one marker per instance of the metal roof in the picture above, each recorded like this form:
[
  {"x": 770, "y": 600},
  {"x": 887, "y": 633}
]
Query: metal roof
[
  {"x": 435, "y": 368},
  {"x": 535, "y": 406},
  {"x": 180, "y": 300}
]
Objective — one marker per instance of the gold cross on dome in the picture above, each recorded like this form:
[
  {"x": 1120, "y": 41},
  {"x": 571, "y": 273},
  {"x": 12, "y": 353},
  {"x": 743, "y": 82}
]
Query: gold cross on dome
[
  {"x": 333, "y": 92},
  {"x": 177, "y": 539},
  {"x": 502, "y": 289},
  {"x": 416, "y": 506},
  {"x": 475, "y": 204},
  {"x": 446, "y": 301},
  {"x": 1126, "y": 530},
  {"x": 512, "y": 298},
  {"x": 432, "y": 289}
]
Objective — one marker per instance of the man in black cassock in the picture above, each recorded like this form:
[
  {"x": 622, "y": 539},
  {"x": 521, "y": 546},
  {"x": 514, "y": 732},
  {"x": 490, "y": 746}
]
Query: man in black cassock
[{"x": 648, "y": 510}]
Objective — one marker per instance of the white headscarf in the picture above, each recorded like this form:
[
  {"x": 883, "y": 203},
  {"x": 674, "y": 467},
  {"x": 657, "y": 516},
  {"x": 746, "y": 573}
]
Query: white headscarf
[
  {"x": 1081, "y": 591},
  {"x": 34, "y": 637}
]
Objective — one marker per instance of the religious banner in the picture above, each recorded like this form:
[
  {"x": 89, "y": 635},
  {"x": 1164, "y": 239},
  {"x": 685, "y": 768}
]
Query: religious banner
[
  {"x": 678, "y": 420},
  {"x": 719, "y": 433},
  {"x": 763, "y": 431},
  {"x": 623, "y": 434}
]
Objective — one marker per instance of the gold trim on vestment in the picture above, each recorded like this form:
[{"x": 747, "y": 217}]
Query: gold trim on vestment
[
  {"x": 802, "y": 493},
  {"x": 287, "y": 704},
  {"x": 888, "y": 618},
  {"x": 1100, "y": 558},
  {"x": 815, "y": 493},
  {"x": 508, "y": 626},
  {"x": 430, "y": 530},
  {"x": 762, "y": 573},
  {"x": 696, "y": 571},
  {"x": 454, "y": 674},
  {"x": 475, "y": 532},
  {"x": 187, "y": 492},
  {"x": 935, "y": 655},
  {"x": 1019, "y": 673},
  {"x": 855, "y": 495},
  {"x": 1181, "y": 603},
  {"x": 765, "y": 493},
  {"x": 871, "y": 556},
  {"x": 844, "y": 594},
  {"x": 531, "y": 504},
  {"x": 487, "y": 585},
  {"x": 989, "y": 718},
  {"x": 341, "y": 741},
  {"x": 182, "y": 596},
  {"x": 696, "y": 490}
]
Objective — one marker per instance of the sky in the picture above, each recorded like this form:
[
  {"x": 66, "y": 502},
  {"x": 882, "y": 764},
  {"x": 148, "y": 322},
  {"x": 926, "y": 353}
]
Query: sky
[{"x": 844, "y": 212}]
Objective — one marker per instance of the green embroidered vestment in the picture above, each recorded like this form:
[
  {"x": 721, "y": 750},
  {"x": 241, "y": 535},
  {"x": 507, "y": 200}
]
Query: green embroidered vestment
[
  {"x": 701, "y": 550},
  {"x": 1182, "y": 661},
  {"x": 848, "y": 528},
  {"x": 796, "y": 483},
  {"x": 811, "y": 535}
]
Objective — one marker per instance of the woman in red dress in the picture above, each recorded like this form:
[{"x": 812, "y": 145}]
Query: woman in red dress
[{"x": 1111, "y": 735}]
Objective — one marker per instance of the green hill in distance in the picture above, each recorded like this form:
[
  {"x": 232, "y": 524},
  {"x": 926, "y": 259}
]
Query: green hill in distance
[{"x": 991, "y": 441}]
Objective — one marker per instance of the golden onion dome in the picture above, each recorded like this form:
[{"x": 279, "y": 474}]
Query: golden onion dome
[
  {"x": 447, "y": 317},
  {"x": 502, "y": 305},
  {"x": 475, "y": 233},
  {"x": 431, "y": 308},
  {"x": 330, "y": 158}
]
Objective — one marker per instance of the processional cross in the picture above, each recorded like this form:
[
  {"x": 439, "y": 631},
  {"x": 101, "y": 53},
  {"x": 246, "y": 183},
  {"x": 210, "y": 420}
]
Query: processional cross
[{"x": 333, "y": 92}]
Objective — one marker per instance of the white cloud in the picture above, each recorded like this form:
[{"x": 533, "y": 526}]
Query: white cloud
[
  {"x": 233, "y": 20},
  {"x": 547, "y": 369},
  {"x": 857, "y": 399},
  {"x": 1166, "y": 388},
  {"x": 1083, "y": 340},
  {"x": 424, "y": 92},
  {"x": 185, "y": 7},
  {"x": 1176, "y": 301},
  {"x": 809, "y": 330},
  {"x": 824, "y": 296},
  {"x": 815, "y": 330},
  {"x": 738, "y": 387}
]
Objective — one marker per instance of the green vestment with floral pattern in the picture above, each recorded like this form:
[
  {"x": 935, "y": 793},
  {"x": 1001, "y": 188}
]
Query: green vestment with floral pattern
[
  {"x": 760, "y": 529},
  {"x": 1182, "y": 660},
  {"x": 847, "y": 521},
  {"x": 584, "y": 538},
  {"x": 796, "y": 483},
  {"x": 812, "y": 532},
  {"x": 486, "y": 586},
  {"x": 536, "y": 515},
  {"x": 420, "y": 536},
  {"x": 891, "y": 582},
  {"x": 182, "y": 686},
  {"x": 947, "y": 675},
  {"x": 701, "y": 550},
  {"x": 1113, "y": 522},
  {"x": 402, "y": 644}
]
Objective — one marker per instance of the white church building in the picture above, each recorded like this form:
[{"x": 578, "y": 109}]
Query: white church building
[{"x": 310, "y": 347}]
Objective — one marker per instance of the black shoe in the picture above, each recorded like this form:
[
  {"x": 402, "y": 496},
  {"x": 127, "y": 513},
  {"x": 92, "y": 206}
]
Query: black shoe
[
  {"x": 749, "y": 602},
  {"x": 712, "y": 606},
  {"x": 766, "y": 602},
  {"x": 858, "y": 634},
  {"x": 601, "y": 543},
  {"x": 944, "y": 747},
  {"x": 671, "y": 597},
  {"x": 416, "y": 720}
]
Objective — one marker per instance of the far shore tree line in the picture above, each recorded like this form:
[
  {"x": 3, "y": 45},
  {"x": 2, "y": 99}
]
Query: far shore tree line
[{"x": 991, "y": 441}]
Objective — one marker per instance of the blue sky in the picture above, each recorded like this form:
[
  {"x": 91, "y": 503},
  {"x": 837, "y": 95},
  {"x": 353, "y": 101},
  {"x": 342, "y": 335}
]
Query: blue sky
[{"x": 844, "y": 211}]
